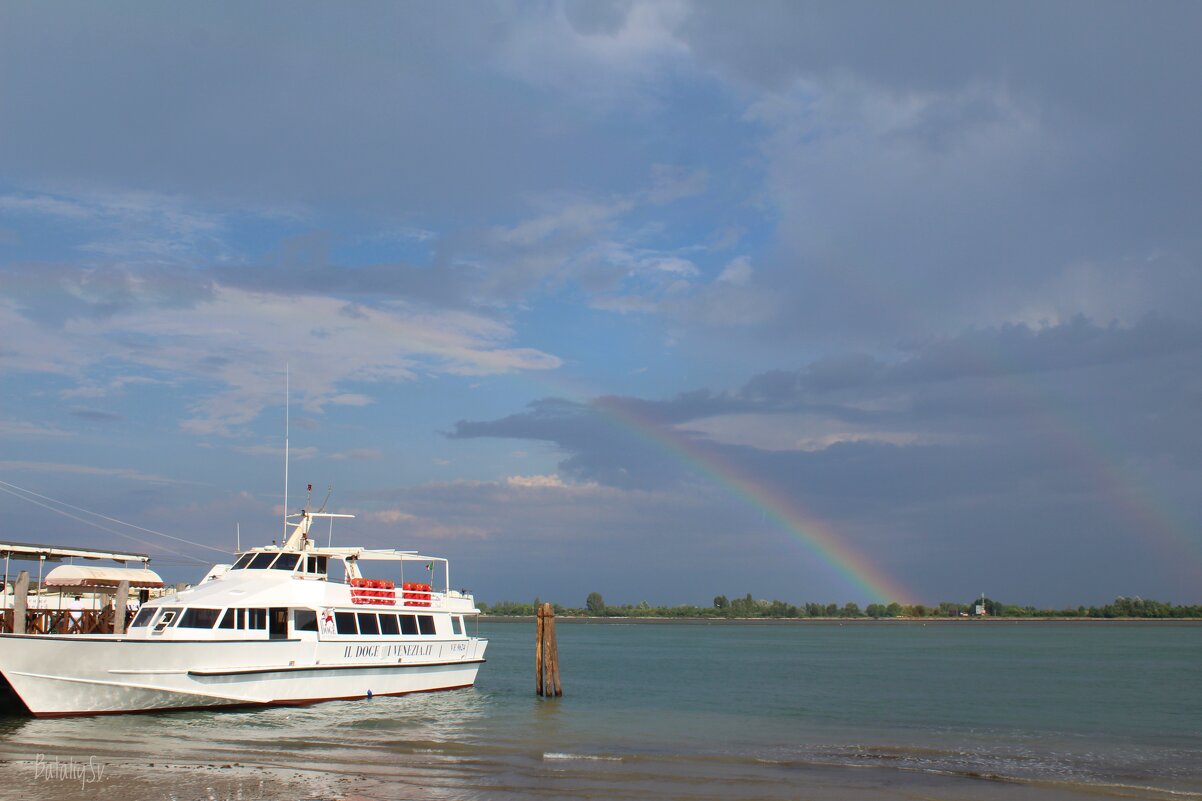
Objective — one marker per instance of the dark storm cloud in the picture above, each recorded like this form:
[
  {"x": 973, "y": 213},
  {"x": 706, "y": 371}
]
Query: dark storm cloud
[
  {"x": 1138, "y": 384},
  {"x": 1081, "y": 52},
  {"x": 399, "y": 108},
  {"x": 1077, "y": 440},
  {"x": 939, "y": 165},
  {"x": 599, "y": 448},
  {"x": 834, "y": 384},
  {"x": 1007, "y": 350}
]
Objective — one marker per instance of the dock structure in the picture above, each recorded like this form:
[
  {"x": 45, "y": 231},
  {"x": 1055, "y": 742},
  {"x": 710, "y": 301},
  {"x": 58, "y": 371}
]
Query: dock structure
[
  {"x": 546, "y": 654},
  {"x": 19, "y": 616}
]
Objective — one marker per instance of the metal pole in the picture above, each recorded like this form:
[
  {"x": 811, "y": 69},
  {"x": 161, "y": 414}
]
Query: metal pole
[
  {"x": 41, "y": 561},
  {"x": 287, "y": 397}
]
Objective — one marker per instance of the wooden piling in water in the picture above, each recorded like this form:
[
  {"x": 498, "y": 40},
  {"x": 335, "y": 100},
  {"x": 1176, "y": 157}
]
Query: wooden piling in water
[
  {"x": 120, "y": 603},
  {"x": 20, "y": 602},
  {"x": 546, "y": 654}
]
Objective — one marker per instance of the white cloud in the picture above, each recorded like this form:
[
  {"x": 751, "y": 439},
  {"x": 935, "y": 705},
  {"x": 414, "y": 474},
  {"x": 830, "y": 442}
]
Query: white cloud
[
  {"x": 671, "y": 182},
  {"x": 130, "y": 225},
  {"x": 737, "y": 272},
  {"x": 275, "y": 451},
  {"x": 804, "y": 432},
  {"x": 21, "y": 429},
  {"x": 598, "y": 54},
  {"x": 602, "y": 243},
  {"x": 44, "y": 206},
  {"x": 241, "y": 340},
  {"x": 540, "y": 482},
  {"x": 350, "y": 399},
  {"x": 582, "y": 218},
  {"x": 390, "y": 516},
  {"x": 85, "y": 470},
  {"x": 30, "y": 347},
  {"x": 671, "y": 264}
]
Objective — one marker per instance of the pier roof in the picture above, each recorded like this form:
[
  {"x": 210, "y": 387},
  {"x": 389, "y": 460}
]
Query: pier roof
[{"x": 55, "y": 553}]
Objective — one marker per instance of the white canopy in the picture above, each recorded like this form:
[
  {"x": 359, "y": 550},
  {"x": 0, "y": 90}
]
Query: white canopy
[{"x": 80, "y": 576}]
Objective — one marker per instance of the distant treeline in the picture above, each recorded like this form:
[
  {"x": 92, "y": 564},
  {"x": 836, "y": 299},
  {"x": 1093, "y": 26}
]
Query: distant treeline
[{"x": 749, "y": 607}]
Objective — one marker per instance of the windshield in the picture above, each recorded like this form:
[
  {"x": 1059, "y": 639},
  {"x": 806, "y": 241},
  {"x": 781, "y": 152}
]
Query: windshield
[{"x": 261, "y": 561}]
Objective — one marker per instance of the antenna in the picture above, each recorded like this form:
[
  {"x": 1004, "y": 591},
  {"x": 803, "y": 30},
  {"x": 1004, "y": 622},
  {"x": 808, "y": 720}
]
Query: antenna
[
  {"x": 238, "y": 547},
  {"x": 287, "y": 398}
]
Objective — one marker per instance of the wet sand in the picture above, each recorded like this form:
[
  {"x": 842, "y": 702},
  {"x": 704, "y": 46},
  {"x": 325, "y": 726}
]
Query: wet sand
[{"x": 81, "y": 777}]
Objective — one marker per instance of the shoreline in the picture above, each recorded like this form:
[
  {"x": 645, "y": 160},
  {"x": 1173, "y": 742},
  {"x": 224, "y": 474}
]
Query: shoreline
[
  {"x": 842, "y": 620},
  {"x": 84, "y": 778}
]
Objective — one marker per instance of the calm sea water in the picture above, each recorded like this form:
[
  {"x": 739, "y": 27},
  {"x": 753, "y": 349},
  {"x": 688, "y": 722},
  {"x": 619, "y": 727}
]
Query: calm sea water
[{"x": 743, "y": 710}]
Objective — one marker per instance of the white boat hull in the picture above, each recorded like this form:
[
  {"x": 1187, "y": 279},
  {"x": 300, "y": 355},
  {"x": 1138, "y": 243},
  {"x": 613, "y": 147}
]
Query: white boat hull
[{"x": 106, "y": 674}]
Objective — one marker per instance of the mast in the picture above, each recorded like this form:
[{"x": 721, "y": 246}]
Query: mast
[{"x": 287, "y": 388}]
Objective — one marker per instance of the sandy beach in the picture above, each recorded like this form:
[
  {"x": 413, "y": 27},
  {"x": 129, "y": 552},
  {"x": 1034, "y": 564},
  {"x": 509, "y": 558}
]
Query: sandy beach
[{"x": 79, "y": 777}]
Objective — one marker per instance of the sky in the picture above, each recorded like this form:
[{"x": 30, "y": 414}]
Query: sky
[{"x": 814, "y": 301}]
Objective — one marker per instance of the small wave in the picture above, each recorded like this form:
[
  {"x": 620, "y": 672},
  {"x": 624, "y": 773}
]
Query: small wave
[{"x": 590, "y": 757}]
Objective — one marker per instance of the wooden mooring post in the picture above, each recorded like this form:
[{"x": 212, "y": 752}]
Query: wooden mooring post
[
  {"x": 120, "y": 606},
  {"x": 546, "y": 653},
  {"x": 20, "y": 602}
]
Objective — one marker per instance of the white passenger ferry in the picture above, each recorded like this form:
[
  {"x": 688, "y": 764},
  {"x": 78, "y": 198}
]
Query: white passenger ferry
[{"x": 279, "y": 626}]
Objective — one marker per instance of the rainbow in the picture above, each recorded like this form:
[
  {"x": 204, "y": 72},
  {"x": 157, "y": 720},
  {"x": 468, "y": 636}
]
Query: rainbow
[
  {"x": 1123, "y": 489},
  {"x": 774, "y": 504},
  {"x": 1126, "y": 492}
]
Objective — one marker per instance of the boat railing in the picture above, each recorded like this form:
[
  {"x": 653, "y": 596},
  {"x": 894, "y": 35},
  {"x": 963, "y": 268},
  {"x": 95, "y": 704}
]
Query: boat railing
[
  {"x": 64, "y": 621},
  {"x": 384, "y": 592}
]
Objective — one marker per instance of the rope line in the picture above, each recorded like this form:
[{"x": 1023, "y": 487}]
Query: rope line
[{"x": 9, "y": 488}]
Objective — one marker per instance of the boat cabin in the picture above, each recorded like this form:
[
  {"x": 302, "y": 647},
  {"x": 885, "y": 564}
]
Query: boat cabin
[{"x": 303, "y": 591}]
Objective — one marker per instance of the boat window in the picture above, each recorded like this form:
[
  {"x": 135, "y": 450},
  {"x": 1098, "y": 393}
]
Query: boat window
[
  {"x": 287, "y": 561},
  {"x": 144, "y": 615},
  {"x": 367, "y": 623},
  {"x": 388, "y": 624},
  {"x": 243, "y": 562},
  {"x": 457, "y": 624},
  {"x": 228, "y": 619},
  {"x": 261, "y": 561},
  {"x": 166, "y": 618},
  {"x": 426, "y": 623},
  {"x": 197, "y": 618},
  {"x": 408, "y": 624},
  {"x": 336, "y": 570},
  {"x": 256, "y": 618},
  {"x": 241, "y": 618},
  {"x": 304, "y": 620},
  {"x": 317, "y": 565},
  {"x": 346, "y": 622}
]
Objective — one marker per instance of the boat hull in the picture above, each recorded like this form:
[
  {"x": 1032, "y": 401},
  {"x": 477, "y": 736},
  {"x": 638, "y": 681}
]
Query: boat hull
[{"x": 98, "y": 674}]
